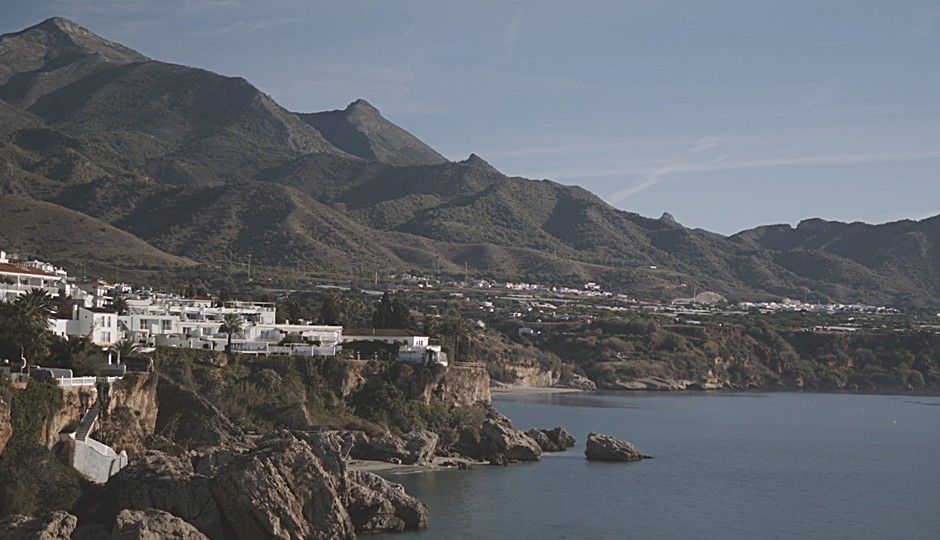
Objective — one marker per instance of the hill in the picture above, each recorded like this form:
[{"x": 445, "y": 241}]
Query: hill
[
  {"x": 362, "y": 131},
  {"x": 209, "y": 168}
]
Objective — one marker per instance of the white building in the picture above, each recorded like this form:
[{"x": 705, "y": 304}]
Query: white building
[
  {"x": 99, "y": 324},
  {"x": 16, "y": 279}
]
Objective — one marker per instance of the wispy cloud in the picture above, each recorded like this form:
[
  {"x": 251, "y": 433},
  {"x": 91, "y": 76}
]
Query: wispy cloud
[
  {"x": 512, "y": 28},
  {"x": 650, "y": 177},
  {"x": 242, "y": 27},
  {"x": 925, "y": 25},
  {"x": 823, "y": 94},
  {"x": 705, "y": 143}
]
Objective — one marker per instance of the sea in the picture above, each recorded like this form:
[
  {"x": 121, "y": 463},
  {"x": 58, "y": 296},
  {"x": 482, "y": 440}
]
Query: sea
[{"x": 726, "y": 465}]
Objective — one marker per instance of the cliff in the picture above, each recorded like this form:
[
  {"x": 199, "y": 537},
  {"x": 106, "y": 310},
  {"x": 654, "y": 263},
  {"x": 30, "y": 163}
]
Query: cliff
[{"x": 6, "y": 425}]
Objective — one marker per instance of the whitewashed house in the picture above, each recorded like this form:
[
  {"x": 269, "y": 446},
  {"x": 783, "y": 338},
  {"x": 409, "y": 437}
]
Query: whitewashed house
[{"x": 16, "y": 278}]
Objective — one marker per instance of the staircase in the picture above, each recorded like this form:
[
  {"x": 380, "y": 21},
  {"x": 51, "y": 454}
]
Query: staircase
[{"x": 88, "y": 422}]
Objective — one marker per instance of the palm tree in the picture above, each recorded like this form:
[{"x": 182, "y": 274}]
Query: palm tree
[
  {"x": 119, "y": 304},
  {"x": 27, "y": 323},
  {"x": 125, "y": 348},
  {"x": 457, "y": 328},
  {"x": 36, "y": 304},
  {"x": 231, "y": 324}
]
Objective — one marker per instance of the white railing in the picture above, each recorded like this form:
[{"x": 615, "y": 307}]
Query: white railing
[{"x": 84, "y": 381}]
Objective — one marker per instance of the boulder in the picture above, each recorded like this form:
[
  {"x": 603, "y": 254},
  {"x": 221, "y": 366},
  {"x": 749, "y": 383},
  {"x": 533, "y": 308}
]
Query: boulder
[
  {"x": 578, "y": 382},
  {"x": 281, "y": 490},
  {"x": 290, "y": 485},
  {"x": 377, "y": 505},
  {"x": 552, "y": 440},
  {"x": 153, "y": 525},
  {"x": 606, "y": 448},
  {"x": 498, "y": 436},
  {"x": 56, "y": 525},
  {"x": 415, "y": 448},
  {"x": 164, "y": 482}
]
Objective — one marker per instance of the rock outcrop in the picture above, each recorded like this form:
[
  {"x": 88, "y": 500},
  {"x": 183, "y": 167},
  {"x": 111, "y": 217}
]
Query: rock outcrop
[
  {"x": 6, "y": 424},
  {"x": 153, "y": 525},
  {"x": 56, "y": 525},
  {"x": 552, "y": 440},
  {"x": 288, "y": 486},
  {"x": 497, "y": 441},
  {"x": 190, "y": 420},
  {"x": 415, "y": 448},
  {"x": 377, "y": 505},
  {"x": 606, "y": 448}
]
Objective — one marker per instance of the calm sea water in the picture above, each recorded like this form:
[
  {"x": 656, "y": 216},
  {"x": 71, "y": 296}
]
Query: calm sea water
[{"x": 726, "y": 466}]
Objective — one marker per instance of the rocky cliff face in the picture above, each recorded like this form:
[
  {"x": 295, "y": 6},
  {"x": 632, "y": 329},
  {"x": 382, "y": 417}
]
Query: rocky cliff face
[
  {"x": 288, "y": 486},
  {"x": 70, "y": 413},
  {"x": 6, "y": 427},
  {"x": 466, "y": 386}
]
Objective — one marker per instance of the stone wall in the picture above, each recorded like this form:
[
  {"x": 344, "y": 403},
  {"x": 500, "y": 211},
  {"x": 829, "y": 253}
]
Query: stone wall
[{"x": 95, "y": 460}]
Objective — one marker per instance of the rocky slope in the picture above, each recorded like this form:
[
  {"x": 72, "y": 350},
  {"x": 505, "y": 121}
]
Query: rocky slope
[{"x": 104, "y": 131}]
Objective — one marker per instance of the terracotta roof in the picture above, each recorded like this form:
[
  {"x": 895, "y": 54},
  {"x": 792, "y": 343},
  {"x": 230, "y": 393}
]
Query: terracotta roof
[{"x": 7, "y": 268}]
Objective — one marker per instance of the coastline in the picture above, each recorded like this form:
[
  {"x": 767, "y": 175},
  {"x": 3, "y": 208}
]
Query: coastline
[
  {"x": 437, "y": 463},
  {"x": 530, "y": 390}
]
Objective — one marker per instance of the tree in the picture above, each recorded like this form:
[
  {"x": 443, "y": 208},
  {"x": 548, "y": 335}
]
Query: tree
[
  {"x": 125, "y": 348},
  {"x": 392, "y": 314},
  {"x": 331, "y": 312},
  {"x": 382, "y": 315},
  {"x": 119, "y": 305},
  {"x": 231, "y": 324},
  {"x": 36, "y": 304},
  {"x": 224, "y": 296},
  {"x": 455, "y": 329},
  {"x": 24, "y": 325}
]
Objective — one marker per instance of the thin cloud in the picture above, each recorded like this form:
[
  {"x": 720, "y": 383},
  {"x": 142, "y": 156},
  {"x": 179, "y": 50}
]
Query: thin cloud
[
  {"x": 242, "y": 27},
  {"x": 512, "y": 28},
  {"x": 705, "y": 143},
  {"x": 925, "y": 25},
  {"x": 651, "y": 177}
]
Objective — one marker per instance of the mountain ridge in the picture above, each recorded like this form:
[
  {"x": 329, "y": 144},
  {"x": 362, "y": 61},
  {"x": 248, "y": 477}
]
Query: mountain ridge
[{"x": 206, "y": 166}]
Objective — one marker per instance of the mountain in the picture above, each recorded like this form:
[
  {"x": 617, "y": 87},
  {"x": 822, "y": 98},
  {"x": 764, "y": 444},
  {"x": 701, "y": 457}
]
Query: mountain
[
  {"x": 361, "y": 130},
  {"x": 208, "y": 168}
]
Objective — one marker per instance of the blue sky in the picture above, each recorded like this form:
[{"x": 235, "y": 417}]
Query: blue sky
[{"x": 727, "y": 114}]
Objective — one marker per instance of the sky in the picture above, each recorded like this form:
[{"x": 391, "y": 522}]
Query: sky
[{"x": 726, "y": 114}]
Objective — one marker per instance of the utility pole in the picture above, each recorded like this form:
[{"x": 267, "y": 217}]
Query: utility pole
[{"x": 249, "y": 267}]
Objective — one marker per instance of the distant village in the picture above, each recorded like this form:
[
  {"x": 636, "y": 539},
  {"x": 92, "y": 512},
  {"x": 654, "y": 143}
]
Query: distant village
[{"x": 110, "y": 313}]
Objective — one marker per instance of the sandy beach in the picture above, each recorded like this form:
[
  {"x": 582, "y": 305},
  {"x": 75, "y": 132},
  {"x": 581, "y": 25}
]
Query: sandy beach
[{"x": 529, "y": 390}]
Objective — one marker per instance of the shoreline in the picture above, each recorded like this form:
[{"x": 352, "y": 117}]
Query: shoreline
[
  {"x": 530, "y": 390},
  {"x": 436, "y": 464}
]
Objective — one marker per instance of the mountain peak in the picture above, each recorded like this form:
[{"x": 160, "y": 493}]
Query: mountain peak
[
  {"x": 50, "y": 33},
  {"x": 361, "y": 130},
  {"x": 55, "y": 45},
  {"x": 476, "y": 161},
  {"x": 668, "y": 218},
  {"x": 361, "y": 105}
]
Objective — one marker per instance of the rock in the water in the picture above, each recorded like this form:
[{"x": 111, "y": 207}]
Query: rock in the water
[
  {"x": 377, "y": 505},
  {"x": 56, "y": 525},
  {"x": 153, "y": 525},
  {"x": 606, "y": 448},
  {"x": 552, "y": 440},
  {"x": 498, "y": 436},
  {"x": 415, "y": 448}
]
